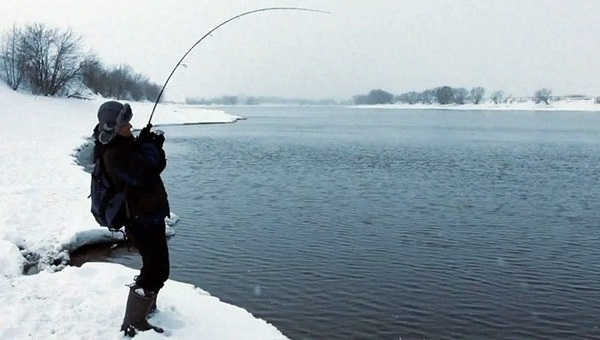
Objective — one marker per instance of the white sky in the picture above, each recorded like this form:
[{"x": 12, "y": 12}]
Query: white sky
[{"x": 514, "y": 45}]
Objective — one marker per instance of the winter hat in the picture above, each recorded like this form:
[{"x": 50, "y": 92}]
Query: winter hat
[{"x": 111, "y": 116}]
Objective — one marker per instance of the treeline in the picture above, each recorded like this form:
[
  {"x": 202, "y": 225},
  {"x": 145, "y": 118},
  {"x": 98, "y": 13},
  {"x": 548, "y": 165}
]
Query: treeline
[
  {"x": 445, "y": 95},
  {"x": 50, "y": 61},
  {"x": 120, "y": 82},
  {"x": 243, "y": 100}
]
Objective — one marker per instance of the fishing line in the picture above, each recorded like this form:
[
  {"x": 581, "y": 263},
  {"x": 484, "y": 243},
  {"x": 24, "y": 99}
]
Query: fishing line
[{"x": 214, "y": 29}]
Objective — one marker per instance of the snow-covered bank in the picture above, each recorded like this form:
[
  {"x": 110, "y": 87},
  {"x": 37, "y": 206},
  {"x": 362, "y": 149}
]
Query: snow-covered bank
[
  {"x": 44, "y": 214},
  {"x": 180, "y": 114},
  {"x": 563, "y": 105},
  {"x": 88, "y": 303}
]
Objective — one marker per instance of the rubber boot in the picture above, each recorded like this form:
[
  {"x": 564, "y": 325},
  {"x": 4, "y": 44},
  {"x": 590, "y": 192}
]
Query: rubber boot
[
  {"x": 136, "y": 310},
  {"x": 136, "y": 285}
]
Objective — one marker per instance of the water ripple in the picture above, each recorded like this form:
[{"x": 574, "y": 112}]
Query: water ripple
[{"x": 332, "y": 224}]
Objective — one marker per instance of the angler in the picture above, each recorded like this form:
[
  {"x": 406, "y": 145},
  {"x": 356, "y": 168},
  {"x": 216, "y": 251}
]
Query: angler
[{"x": 132, "y": 168}]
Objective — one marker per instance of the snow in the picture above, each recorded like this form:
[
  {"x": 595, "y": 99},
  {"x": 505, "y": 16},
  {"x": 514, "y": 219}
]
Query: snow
[
  {"x": 179, "y": 114},
  {"x": 89, "y": 303},
  {"x": 562, "y": 105},
  {"x": 11, "y": 260},
  {"x": 44, "y": 214}
]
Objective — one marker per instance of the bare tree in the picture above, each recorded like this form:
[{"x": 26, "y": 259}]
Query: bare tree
[
  {"x": 543, "y": 95},
  {"x": 427, "y": 96},
  {"x": 477, "y": 94},
  {"x": 460, "y": 95},
  {"x": 93, "y": 75},
  {"x": 497, "y": 96},
  {"x": 444, "y": 95},
  {"x": 152, "y": 90},
  {"x": 119, "y": 79},
  {"x": 12, "y": 61},
  {"x": 52, "y": 57},
  {"x": 120, "y": 82},
  {"x": 411, "y": 97},
  {"x": 374, "y": 97}
]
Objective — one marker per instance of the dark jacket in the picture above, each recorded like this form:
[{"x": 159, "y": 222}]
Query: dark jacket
[{"x": 134, "y": 168}]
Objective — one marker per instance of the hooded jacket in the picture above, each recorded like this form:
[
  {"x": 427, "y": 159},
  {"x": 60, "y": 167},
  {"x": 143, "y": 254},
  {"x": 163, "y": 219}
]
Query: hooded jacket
[{"x": 134, "y": 168}]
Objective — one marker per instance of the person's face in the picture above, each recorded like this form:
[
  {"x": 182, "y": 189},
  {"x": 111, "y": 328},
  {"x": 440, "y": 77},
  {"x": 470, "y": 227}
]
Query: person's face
[{"x": 125, "y": 130}]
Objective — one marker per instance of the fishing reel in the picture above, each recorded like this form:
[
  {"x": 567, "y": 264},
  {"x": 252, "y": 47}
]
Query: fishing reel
[{"x": 156, "y": 137}]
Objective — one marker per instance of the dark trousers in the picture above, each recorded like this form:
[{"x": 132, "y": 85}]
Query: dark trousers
[{"x": 151, "y": 242}]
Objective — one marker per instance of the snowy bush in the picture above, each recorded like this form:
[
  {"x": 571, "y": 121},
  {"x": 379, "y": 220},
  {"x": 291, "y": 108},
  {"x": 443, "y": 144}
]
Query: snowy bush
[{"x": 543, "y": 95}]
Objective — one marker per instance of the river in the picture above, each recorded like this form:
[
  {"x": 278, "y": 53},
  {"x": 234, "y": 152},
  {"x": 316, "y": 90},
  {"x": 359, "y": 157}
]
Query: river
[{"x": 342, "y": 223}]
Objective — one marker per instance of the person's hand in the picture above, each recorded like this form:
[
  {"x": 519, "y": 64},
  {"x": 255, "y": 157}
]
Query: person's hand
[
  {"x": 145, "y": 135},
  {"x": 158, "y": 138}
]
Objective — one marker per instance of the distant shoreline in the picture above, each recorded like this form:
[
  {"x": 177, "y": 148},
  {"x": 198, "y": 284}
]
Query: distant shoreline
[{"x": 563, "y": 105}]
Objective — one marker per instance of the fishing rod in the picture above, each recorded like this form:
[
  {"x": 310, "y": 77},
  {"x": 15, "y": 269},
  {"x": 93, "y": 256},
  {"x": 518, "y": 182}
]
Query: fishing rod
[{"x": 216, "y": 28}]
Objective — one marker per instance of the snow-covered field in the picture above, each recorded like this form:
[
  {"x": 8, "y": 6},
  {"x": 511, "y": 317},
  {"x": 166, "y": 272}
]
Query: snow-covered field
[
  {"x": 44, "y": 214},
  {"x": 562, "y": 105}
]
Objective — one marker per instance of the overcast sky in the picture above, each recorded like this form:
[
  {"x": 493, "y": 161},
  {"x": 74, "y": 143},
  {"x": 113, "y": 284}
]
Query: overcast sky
[{"x": 514, "y": 45}]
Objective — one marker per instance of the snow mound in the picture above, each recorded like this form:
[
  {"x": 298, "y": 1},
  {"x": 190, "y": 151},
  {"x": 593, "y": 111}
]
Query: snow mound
[{"x": 11, "y": 260}]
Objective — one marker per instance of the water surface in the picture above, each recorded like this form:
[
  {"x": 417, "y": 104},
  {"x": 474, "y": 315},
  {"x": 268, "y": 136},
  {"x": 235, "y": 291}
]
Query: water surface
[{"x": 340, "y": 223}]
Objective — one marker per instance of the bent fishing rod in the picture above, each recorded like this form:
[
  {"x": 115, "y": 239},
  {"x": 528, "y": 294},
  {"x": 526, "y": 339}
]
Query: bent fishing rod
[{"x": 216, "y": 28}]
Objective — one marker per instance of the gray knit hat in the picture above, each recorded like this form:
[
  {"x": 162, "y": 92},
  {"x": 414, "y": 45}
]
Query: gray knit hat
[{"x": 111, "y": 116}]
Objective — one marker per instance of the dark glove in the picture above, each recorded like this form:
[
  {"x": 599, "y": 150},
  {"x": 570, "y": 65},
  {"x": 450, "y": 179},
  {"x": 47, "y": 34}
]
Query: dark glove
[
  {"x": 145, "y": 135},
  {"x": 158, "y": 138}
]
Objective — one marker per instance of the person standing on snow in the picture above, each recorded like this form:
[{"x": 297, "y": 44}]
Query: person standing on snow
[{"x": 133, "y": 166}]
